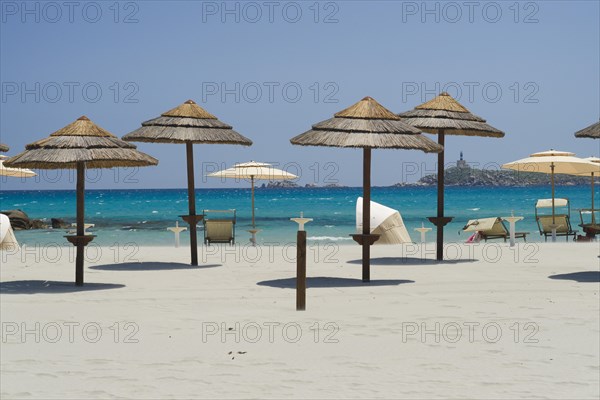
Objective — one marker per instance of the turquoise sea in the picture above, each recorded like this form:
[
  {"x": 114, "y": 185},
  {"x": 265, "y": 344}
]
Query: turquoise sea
[{"x": 142, "y": 216}]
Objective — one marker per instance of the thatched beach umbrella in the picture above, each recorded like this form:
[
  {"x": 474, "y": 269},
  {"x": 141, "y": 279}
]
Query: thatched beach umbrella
[
  {"x": 367, "y": 125},
  {"x": 188, "y": 124},
  {"x": 592, "y": 131},
  {"x": 445, "y": 116},
  {"x": 80, "y": 145},
  {"x": 3, "y": 148}
]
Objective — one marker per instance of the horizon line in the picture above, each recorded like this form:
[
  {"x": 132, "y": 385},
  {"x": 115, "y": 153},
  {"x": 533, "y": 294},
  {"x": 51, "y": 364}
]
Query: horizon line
[{"x": 410, "y": 185}]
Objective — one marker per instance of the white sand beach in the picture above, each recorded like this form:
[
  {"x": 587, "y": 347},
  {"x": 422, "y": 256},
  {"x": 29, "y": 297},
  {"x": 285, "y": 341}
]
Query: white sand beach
[{"x": 476, "y": 327}]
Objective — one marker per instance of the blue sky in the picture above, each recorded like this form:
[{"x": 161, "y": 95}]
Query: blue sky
[{"x": 529, "y": 68}]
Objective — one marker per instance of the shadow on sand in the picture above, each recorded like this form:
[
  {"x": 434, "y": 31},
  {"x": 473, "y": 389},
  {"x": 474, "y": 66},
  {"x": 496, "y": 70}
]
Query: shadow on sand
[
  {"x": 35, "y": 287},
  {"x": 329, "y": 282},
  {"x": 411, "y": 261},
  {"x": 150, "y": 266},
  {"x": 584, "y": 276}
]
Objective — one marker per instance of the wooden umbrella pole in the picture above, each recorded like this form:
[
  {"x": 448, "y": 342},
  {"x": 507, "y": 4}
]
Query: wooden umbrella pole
[
  {"x": 440, "y": 200},
  {"x": 552, "y": 181},
  {"x": 301, "y": 271},
  {"x": 366, "y": 222},
  {"x": 192, "y": 203},
  {"x": 80, "y": 223},
  {"x": 593, "y": 213},
  {"x": 252, "y": 183}
]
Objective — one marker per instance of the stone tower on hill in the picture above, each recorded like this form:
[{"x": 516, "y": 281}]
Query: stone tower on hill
[{"x": 461, "y": 163}]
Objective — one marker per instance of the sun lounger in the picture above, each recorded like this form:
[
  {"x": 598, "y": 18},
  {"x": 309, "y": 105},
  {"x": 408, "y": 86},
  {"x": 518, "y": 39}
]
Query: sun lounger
[
  {"x": 563, "y": 226},
  {"x": 492, "y": 228},
  {"x": 561, "y": 220},
  {"x": 590, "y": 221},
  {"x": 220, "y": 228},
  {"x": 86, "y": 226}
]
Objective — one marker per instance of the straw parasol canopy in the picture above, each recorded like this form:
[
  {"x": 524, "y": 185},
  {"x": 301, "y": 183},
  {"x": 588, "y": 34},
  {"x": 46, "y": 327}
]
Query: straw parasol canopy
[
  {"x": 443, "y": 115},
  {"x": 79, "y": 142},
  {"x": 188, "y": 124},
  {"x": 447, "y": 114},
  {"x": 80, "y": 145},
  {"x": 254, "y": 171},
  {"x": 592, "y": 131},
  {"x": 367, "y": 125},
  {"x": 3, "y": 148},
  {"x": 554, "y": 162}
]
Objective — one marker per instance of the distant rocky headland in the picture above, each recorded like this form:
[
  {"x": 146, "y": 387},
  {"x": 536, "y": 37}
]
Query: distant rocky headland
[
  {"x": 467, "y": 176},
  {"x": 294, "y": 185}
]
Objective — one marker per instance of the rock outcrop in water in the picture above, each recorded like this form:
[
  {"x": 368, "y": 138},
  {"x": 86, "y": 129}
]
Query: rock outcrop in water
[
  {"x": 38, "y": 224},
  {"x": 467, "y": 176},
  {"x": 58, "y": 223},
  {"x": 20, "y": 221}
]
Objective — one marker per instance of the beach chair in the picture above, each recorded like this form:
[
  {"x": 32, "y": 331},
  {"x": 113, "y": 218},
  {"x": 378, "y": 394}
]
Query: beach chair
[
  {"x": 219, "y": 226},
  {"x": 492, "y": 228},
  {"x": 561, "y": 219},
  {"x": 86, "y": 226},
  {"x": 590, "y": 221}
]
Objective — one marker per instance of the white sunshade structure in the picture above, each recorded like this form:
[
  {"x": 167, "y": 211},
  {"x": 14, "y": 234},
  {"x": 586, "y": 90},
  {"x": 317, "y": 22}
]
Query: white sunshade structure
[
  {"x": 385, "y": 221},
  {"x": 254, "y": 171},
  {"x": 14, "y": 172},
  {"x": 554, "y": 162},
  {"x": 8, "y": 241}
]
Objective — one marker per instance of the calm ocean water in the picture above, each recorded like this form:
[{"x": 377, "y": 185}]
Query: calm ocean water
[{"x": 142, "y": 216}]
